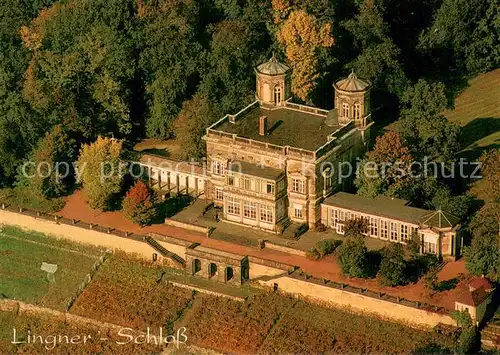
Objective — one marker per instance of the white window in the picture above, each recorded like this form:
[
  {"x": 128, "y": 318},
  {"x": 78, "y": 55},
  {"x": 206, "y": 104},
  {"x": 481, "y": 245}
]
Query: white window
[
  {"x": 298, "y": 186},
  {"x": 233, "y": 206},
  {"x": 297, "y": 211},
  {"x": 357, "y": 111},
  {"x": 384, "y": 229},
  {"x": 218, "y": 168},
  {"x": 394, "y": 232},
  {"x": 244, "y": 183},
  {"x": 250, "y": 209},
  {"x": 345, "y": 108},
  {"x": 218, "y": 194},
  {"x": 374, "y": 227},
  {"x": 342, "y": 215},
  {"x": 404, "y": 233},
  {"x": 270, "y": 188},
  {"x": 429, "y": 248},
  {"x": 277, "y": 95},
  {"x": 230, "y": 180},
  {"x": 266, "y": 213},
  {"x": 335, "y": 217}
]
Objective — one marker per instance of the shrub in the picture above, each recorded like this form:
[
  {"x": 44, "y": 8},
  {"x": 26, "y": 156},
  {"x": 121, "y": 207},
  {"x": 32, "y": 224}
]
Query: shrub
[
  {"x": 139, "y": 205},
  {"x": 312, "y": 254},
  {"x": 393, "y": 265},
  {"x": 327, "y": 246},
  {"x": 352, "y": 257},
  {"x": 355, "y": 227},
  {"x": 430, "y": 281}
]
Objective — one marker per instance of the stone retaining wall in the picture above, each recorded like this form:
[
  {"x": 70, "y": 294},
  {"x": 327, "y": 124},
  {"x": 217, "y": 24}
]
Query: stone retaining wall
[
  {"x": 188, "y": 226},
  {"x": 284, "y": 249},
  {"x": 317, "y": 291}
]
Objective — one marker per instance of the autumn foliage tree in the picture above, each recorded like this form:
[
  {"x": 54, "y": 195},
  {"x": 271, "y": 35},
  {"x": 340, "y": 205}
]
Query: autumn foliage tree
[
  {"x": 139, "y": 205},
  {"x": 99, "y": 166},
  {"x": 302, "y": 37},
  {"x": 383, "y": 169}
]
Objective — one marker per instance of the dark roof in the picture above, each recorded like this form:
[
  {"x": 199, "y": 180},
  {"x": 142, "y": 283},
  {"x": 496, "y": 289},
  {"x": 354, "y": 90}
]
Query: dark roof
[
  {"x": 287, "y": 127},
  {"x": 352, "y": 83},
  {"x": 472, "y": 298},
  {"x": 381, "y": 205},
  {"x": 246, "y": 168},
  {"x": 273, "y": 67},
  {"x": 476, "y": 282},
  {"x": 389, "y": 207}
]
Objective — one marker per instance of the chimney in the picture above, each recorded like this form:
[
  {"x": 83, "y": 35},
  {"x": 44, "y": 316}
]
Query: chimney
[{"x": 262, "y": 125}]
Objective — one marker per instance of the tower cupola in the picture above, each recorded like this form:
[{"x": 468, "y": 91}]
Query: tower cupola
[
  {"x": 273, "y": 82},
  {"x": 352, "y": 99}
]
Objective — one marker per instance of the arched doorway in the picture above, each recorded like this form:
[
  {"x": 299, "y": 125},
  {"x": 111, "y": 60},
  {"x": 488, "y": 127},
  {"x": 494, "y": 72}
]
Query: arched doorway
[
  {"x": 196, "y": 266},
  {"x": 277, "y": 95},
  {"x": 212, "y": 270},
  {"x": 229, "y": 273}
]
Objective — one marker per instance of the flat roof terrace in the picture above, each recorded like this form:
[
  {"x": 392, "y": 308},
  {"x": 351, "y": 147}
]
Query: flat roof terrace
[{"x": 291, "y": 125}]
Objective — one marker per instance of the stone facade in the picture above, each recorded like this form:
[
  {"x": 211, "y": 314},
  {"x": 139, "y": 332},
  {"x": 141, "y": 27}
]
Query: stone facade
[
  {"x": 308, "y": 145},
  {"x": 217, "y": 265}
]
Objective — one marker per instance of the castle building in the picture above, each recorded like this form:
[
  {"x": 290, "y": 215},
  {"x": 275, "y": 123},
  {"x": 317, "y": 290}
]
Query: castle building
[{"x": 274, "y": 162}]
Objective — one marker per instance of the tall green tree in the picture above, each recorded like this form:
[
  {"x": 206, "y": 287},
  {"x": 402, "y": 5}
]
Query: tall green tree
[
  {"x": 169, "y": 56},
  {"x": 352, "y": 257},
  {"x": 393, "y": 265}
]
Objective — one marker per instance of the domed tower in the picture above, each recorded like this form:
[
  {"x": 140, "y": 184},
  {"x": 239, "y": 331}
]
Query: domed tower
[
  {"x": 273, "y": 82},
  {"x": 352, "y": 100}
]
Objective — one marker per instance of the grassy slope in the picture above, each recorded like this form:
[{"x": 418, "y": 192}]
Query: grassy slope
[
  {"x": 477, "y": 110},
  {"x": 20, "y": 262}
]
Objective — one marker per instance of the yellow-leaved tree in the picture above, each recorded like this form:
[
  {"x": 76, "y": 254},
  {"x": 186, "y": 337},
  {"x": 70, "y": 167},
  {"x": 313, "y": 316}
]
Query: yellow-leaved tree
[
  {"x": 302, "y": 36},
  {"x": 99, "y": 167}
]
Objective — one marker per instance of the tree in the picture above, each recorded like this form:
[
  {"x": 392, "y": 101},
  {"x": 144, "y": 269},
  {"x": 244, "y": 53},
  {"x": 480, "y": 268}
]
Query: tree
[
  {"x": 81, "y": 64},
  {"x": 302, "y": 37},
  {"x": 139, "y": 204},
  {"x": 488, "y": 218},
  {"x": 385, "y": 169},
  {"x": 392, "y": 267},
  {"x": 101, "y": 172},
  {"x": 355, "y": 227},
  {"x": 196, "y": 115},
  {"x": 378, "y": 58},
  {"x": 168, "y": 59},
  {"x": 352, "y": 257},
  {"x": 423, "y": 127},
  {"x": 482, "y": 257},
  {"x": 465, "y": 34},
  {"x": 52, "y": 171},
  {"x": 414, "y": 244}
]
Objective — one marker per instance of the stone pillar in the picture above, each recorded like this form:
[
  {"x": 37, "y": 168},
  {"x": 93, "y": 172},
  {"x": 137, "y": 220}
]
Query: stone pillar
[
  {"x": 187, "y": 184},
  {"x": 168, "y": 181},
  {"x": 150, "y": 172},
  {"x": 159, "y": 179},
  {"x": 177, "y": 180},
  {"x": 196, "y": 187}
]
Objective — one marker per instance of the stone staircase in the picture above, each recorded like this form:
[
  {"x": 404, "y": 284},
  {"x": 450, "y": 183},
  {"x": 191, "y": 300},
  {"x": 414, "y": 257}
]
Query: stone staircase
[{"x": 165, "y": 253}]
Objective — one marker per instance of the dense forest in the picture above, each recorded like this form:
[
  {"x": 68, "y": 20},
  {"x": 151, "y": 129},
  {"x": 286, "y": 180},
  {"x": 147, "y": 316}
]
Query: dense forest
[
  {"x": 139, "y": 68},
  {"x": 74, "y": 70}
]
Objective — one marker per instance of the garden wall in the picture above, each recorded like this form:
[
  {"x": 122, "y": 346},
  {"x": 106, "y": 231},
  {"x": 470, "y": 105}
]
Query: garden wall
[
  {"x": 77, "y": 233},
  {"x": 284, "y": 249},
  {"x": 328, "y": 295},
  {"x": 261, "y": 267}
]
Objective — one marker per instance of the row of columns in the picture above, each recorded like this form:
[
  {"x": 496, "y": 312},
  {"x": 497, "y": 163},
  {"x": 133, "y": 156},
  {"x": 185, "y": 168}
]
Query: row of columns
[{"x": 169, "y": 182}]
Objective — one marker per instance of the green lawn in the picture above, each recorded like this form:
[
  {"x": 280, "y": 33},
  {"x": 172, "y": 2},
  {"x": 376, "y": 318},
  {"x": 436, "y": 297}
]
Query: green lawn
[
  {"x": 477, "y": 110},
  {"x": 22, "y": 254}
]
